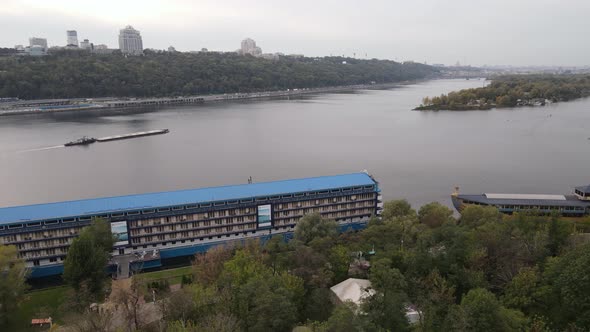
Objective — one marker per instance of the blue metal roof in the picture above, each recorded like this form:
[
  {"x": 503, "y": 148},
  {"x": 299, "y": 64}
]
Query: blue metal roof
[{"x": 180, "y": 197}]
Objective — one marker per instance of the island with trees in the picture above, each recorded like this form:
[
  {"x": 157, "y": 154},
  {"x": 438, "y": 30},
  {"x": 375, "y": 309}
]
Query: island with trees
[
  {"x": 513, "y": 91},
  {"x": 71, "y": 74}
]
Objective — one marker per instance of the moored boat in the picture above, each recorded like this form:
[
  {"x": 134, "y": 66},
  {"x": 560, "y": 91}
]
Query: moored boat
[{"x": 574, "y": 205}]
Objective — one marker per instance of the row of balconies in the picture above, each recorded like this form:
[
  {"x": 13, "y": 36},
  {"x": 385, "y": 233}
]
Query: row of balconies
[
  {"x": 220, "y": 231},
  {"x": 16, "y": 239},
  {"x": 144, "y": 234},
  {"x": 174, "y": 228},
  {"x": 140, "y": 223},
  {"x": 332, "y": 214},
  {"x": 320, "y": 203},
  {"x": 335, "y": 208}
]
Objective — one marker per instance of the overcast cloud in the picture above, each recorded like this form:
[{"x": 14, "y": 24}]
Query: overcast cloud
[{"x": 477, "y": 32}]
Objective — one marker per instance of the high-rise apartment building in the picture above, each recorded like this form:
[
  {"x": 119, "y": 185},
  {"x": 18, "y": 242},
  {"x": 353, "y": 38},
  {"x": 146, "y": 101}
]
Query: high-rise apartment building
[
  {"x": 72, "y": 38},
  {"x": 130, "y": 41},
  {"x": 249, "y": 47},
  {"x": 35, "y": 41}
]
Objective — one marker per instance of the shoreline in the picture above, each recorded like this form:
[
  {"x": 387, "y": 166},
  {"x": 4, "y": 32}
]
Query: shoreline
[{"x": 99, "y": 104}]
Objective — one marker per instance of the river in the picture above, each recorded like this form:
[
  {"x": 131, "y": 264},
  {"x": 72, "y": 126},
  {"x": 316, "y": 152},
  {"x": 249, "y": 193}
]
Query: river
[{"x": 419, "y": 156}]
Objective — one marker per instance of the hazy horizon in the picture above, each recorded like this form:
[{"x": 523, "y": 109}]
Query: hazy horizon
[{"x": 518, "y": 33}]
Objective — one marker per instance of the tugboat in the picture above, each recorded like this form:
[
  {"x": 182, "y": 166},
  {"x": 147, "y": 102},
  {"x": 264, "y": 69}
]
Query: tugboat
[{"x": 82, "y": 141}]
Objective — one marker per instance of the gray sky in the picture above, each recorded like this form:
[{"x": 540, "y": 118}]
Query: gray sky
[{"x": 477, "y": 32}]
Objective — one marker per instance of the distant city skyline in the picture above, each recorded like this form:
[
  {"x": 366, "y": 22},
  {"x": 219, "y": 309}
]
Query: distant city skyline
[{"x": 526, "y": 32}]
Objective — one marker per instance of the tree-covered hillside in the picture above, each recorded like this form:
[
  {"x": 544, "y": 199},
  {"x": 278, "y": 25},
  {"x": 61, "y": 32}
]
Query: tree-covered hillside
[{"x": 71, "y": 74}]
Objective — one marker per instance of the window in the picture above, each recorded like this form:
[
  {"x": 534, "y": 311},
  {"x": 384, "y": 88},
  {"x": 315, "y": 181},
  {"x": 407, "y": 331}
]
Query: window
[{"x": 36, "y": 262}]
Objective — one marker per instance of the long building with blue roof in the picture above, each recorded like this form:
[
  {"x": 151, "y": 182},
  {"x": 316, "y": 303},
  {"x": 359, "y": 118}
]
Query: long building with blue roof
[{"x": 155, "y": 226}]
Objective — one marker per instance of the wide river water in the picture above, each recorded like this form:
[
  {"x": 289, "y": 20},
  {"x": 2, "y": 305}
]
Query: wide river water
[{"x": 420, "y": 156}]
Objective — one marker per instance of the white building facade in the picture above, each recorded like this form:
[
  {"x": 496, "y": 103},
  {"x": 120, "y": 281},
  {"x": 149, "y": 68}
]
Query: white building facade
[
  {"x": 35, "y": 41},
  {"x": 85, "y": 44},
  {"x": 248, "y": 46},
  {"x": 130, "y": 41},
  {"x": 72, "y": 38}
]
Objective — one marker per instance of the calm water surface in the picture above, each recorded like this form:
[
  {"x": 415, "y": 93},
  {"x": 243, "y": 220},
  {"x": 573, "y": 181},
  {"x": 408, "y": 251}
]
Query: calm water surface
[{"x": 417, "y": 155}]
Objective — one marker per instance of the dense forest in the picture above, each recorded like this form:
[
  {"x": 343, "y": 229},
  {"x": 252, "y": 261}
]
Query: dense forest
[
  {"x": 513, "y": 90},
  {"x": 75, "y": 74},
  {"x": 481, "y": 272}
]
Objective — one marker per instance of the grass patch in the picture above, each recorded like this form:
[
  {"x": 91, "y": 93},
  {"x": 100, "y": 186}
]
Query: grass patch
[
  {"x": 174, "y": 276},
  {"x": 37, "y": 304}
]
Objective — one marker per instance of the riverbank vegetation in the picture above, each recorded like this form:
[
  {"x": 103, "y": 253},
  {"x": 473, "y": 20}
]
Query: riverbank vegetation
[
  {"x": 71, "y": 74},
  {"x": 513, "y": 91},
  {"x": 480, "y": 272}
]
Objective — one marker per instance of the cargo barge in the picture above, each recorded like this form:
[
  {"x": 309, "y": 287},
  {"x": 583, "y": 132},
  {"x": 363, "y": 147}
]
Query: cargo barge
[
  {"x": 575, "y": 205},
  {"x": 133, "y": 135}
]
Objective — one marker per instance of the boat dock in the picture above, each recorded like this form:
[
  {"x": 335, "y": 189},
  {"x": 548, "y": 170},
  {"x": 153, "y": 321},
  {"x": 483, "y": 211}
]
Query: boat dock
[{"x": 133, "y": 135}]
